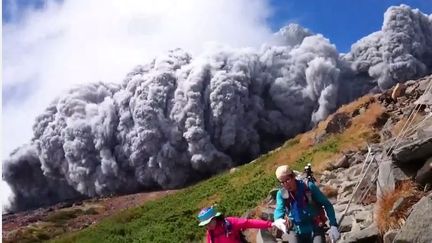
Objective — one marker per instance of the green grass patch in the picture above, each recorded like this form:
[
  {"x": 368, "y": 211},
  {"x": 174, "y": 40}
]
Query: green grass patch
[
  {"x": 318, "y": 152},
  {"x": 38, "y": 232},
  {"x": 63, "y": 215}
]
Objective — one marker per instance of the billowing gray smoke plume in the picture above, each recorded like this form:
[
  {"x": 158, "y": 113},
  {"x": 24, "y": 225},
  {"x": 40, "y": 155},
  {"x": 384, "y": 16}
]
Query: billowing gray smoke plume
[
  {"x": 402, "y": 50},
  {"x": 180, "y": 118}
]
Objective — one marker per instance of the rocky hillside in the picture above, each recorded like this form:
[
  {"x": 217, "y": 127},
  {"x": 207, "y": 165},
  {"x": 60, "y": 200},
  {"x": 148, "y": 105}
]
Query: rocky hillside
[
  {"x": 382, "y": 191},
  {"x": 45, "y": 223},
  {"x": 372, "y": 157}
]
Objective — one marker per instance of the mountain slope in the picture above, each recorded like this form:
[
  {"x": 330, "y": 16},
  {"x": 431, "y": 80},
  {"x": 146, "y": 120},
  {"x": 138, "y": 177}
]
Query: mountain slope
[
  {"x": 242, "y": 190},
  {"x": 172, "y": 219},
  {"x": 180, "y": 118}
]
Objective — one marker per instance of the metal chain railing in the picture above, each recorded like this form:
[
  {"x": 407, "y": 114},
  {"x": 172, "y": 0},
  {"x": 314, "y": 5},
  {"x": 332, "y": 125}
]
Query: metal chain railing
[{"x": 407, "y": 129}]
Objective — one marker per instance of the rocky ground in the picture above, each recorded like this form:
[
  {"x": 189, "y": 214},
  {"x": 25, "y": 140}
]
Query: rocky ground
[
  {"x": 373, "y": 190},
  {"x": 68, "y": 216}
]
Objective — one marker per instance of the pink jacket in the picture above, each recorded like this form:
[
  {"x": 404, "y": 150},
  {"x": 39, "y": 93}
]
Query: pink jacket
[{"x": 237, "y": 224}]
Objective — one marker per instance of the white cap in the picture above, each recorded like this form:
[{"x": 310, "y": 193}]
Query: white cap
[{"x": 282, "y": 171}]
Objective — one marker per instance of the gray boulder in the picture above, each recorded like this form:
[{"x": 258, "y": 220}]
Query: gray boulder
[
  {"x": 267, "y": 214},
  {"x": 389, "y": 236},
  {"x": 368, "y": 235},
  {"x": 425, "y": 99},
  {"x": 426, "y": 129},
  {"x": 418, "y": 226},
  {"x": 264, "y": 236},
  {"x": 338, "y": 123},
  {"x": 363, "y": 216},
  {"x": 416, "y": 151},
  {"x": 424, "y": 175},
  {"x": 342, "y": 162},
  {"x": 389, "y": 174},
  {"x": 346, "y": 224}
]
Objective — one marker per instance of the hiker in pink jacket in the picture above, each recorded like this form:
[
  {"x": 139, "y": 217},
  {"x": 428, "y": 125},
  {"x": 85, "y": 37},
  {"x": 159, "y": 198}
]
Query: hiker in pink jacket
[{"x": 222, "y": 229}]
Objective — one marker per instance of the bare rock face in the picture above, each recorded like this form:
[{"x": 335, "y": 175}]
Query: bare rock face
[
  {"x": 381, "y": 120},
  {"x": 342, "y": 162},
  {"x": 424, "y": 175},
  {"x": 264, "y": 236},
  {"x": 338, "y": 123},
  {"x": 425, "y": 130},
  {"x": 386, "y": 130},
  {"x": 389, "y": 236},
  {"x": 388, "y": 176},
  {"x": 419, "y": 150},
  {"x": 398, "y": 91},
  {"x": 425, "y": 99},
  {"x": 418, "y": 226},
  {"x": 368, "y": 235}
]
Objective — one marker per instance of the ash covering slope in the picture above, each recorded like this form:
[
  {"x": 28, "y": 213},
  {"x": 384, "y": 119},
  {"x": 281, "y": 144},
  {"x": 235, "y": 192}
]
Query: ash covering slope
[{"x": 179, "y": 119}]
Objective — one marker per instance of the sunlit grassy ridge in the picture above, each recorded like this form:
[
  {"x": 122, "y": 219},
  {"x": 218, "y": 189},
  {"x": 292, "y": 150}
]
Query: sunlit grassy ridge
[{"x": 173, "y": 218}]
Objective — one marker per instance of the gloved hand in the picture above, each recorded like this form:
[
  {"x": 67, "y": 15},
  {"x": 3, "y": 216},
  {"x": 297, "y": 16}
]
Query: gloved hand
[
  {"x": 280, "y": 224},
  {"x": 334, "y": 233}
]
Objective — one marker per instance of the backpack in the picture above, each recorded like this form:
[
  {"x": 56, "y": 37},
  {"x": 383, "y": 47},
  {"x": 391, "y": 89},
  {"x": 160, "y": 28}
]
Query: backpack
[
  {"x": 228, "y": 228},
  {"x": 304, "y": 197}
]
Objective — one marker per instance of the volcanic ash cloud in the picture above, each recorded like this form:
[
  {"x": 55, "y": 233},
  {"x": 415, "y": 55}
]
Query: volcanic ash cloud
[{"x": 179, "y": 119}]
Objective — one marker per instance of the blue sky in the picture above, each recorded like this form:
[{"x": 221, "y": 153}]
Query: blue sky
[
  {"x": 20, "y": 5},
  {"x": 342, "y": 21},
  {"x": 50, "y": 46}
]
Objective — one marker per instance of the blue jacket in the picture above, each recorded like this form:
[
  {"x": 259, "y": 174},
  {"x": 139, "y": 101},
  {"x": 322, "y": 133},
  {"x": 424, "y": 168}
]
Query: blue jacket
[{"x": 309, "y": 212}]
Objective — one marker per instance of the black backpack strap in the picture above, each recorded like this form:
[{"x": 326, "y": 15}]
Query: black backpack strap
[
  {"x": 227, "y": 227},
  {"x": 228, "y": 230}
]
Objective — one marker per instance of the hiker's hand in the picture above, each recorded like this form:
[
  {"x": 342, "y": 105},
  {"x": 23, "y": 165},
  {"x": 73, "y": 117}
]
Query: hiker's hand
[
  {"x": 280, "y": 224},
  {"x": 288, "y": 223},
  {"x": 334, "y": 233}
]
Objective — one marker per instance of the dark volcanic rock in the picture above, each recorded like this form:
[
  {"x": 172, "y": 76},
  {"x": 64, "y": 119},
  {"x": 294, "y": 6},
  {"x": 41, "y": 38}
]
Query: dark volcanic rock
[{"x": 338, "y": 123}]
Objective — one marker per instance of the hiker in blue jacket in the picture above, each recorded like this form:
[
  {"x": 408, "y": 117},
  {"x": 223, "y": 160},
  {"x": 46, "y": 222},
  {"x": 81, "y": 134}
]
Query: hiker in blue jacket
[{"x": 302, "y": 204}]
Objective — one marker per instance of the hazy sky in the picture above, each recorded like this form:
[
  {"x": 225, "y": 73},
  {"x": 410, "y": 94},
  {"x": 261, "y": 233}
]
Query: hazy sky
[
  {"x": 49, "y": 46},
  {"x": 59, "y": 44}
]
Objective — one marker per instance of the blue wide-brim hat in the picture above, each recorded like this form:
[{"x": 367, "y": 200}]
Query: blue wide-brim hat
[{"x": 206, "y": 215}]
